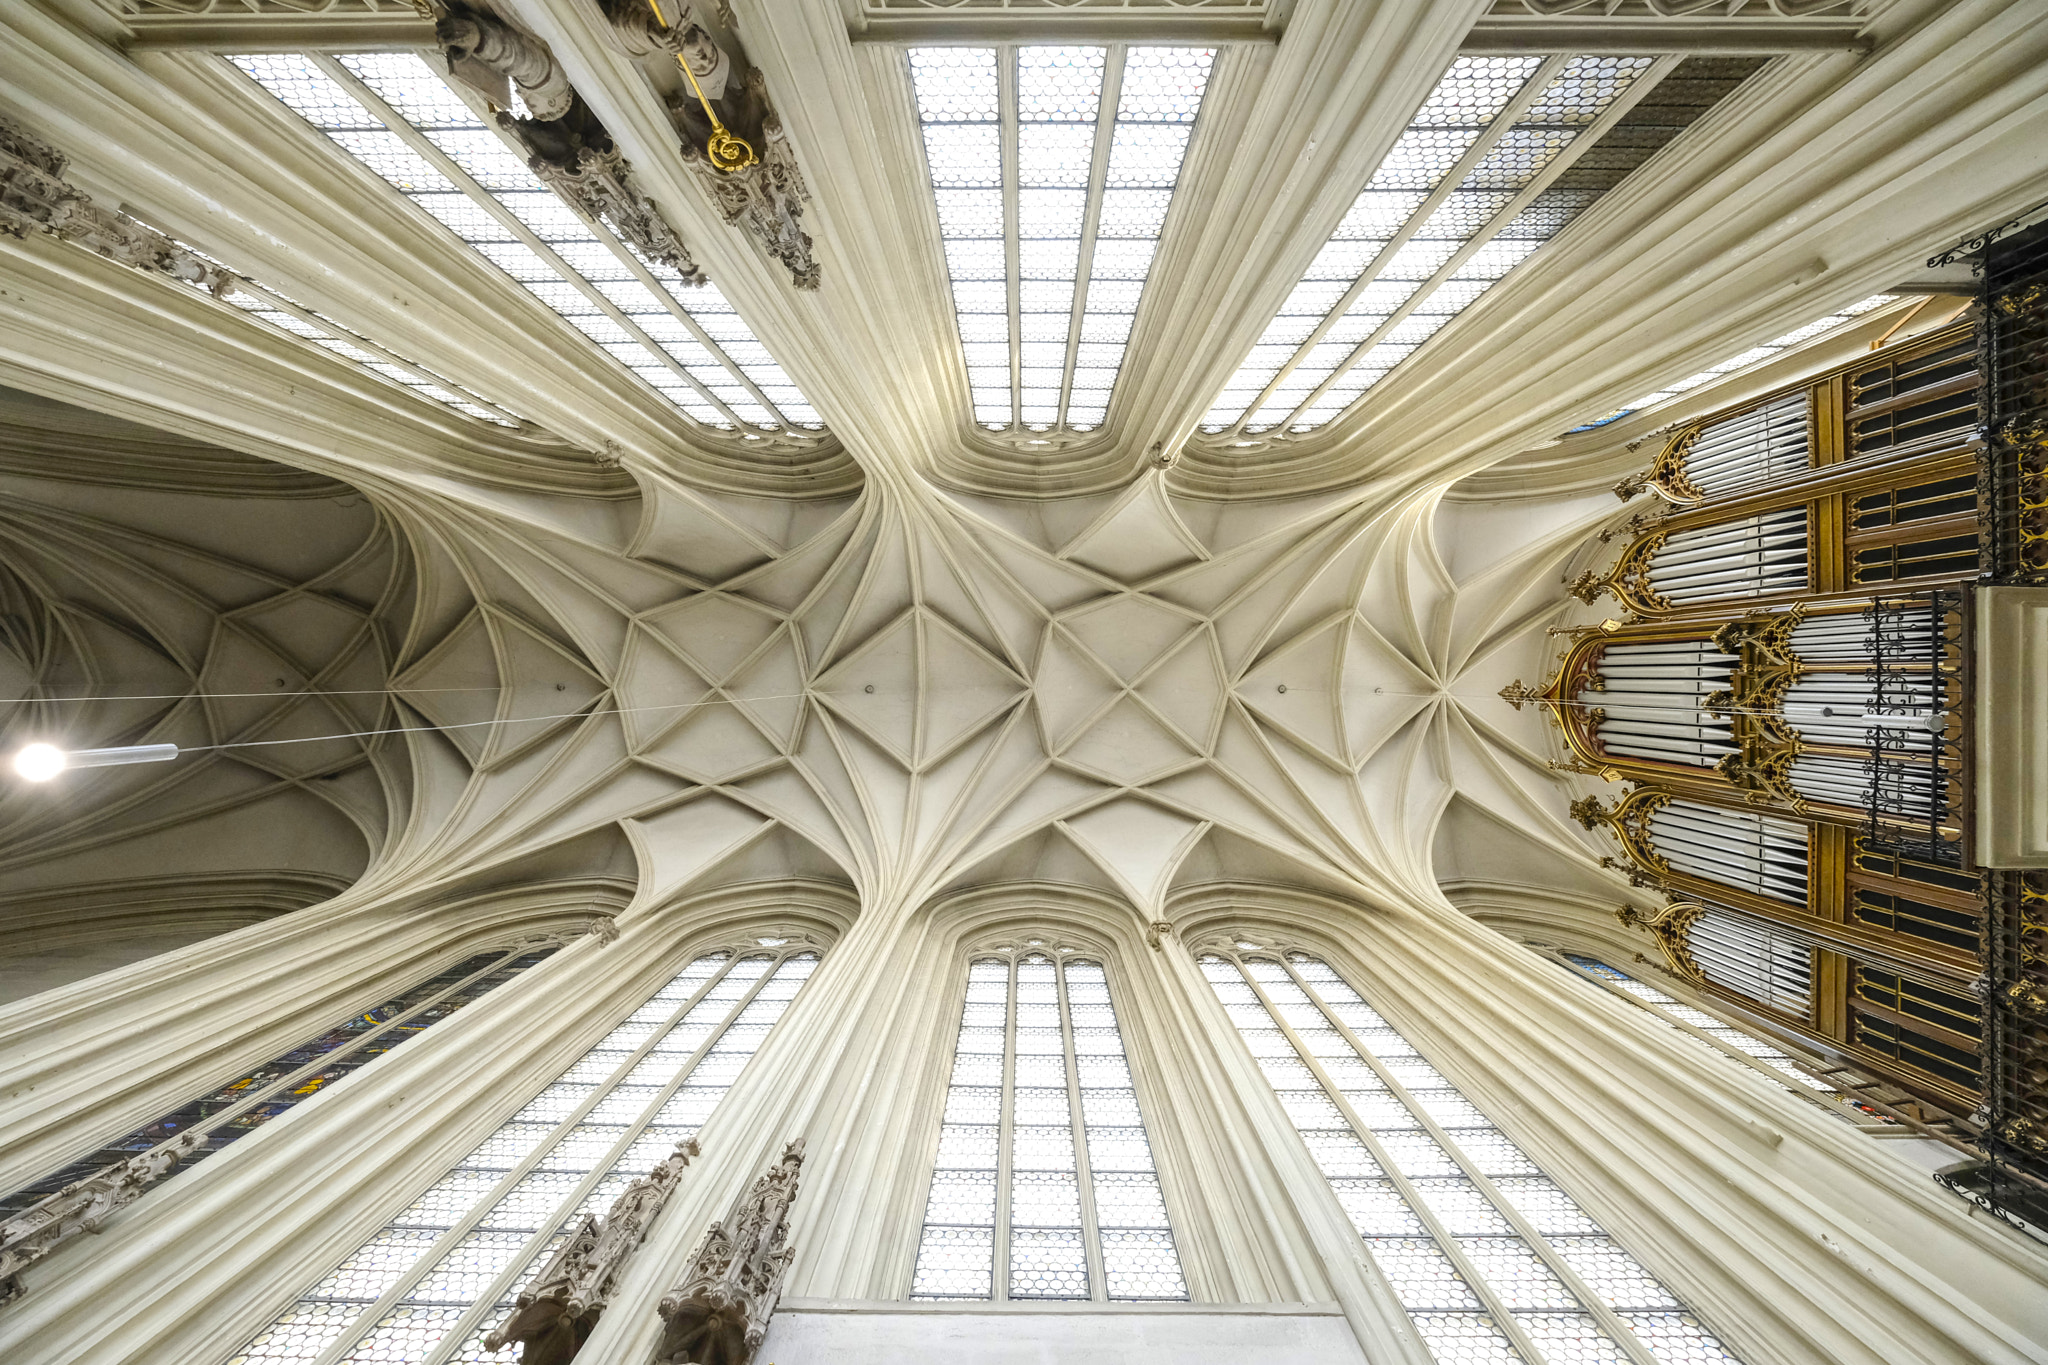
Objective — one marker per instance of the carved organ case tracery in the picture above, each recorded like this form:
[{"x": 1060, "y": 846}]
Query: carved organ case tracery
[{"x": 1789, "y": 700}]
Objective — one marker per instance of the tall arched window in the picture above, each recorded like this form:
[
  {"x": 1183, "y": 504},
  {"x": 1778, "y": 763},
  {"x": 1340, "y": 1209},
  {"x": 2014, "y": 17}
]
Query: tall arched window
[
  {"x": 1491, "y": 1258},
  {"x": 242, "y": 1105},
  {"x": 1043, "y": 1186},
  {"x": 445, "y": 1270},
  {"x": 1698, "y": 1027}
]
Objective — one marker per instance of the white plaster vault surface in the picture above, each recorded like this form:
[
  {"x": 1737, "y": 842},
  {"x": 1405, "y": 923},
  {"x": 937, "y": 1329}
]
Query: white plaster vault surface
[
  {"x": 923, "y": 691},
  {"x": 636, "y": 665}
]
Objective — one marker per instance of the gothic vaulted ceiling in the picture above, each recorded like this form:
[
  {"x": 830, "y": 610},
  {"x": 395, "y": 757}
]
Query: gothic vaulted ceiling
[{"x": 1039, "y": 465}]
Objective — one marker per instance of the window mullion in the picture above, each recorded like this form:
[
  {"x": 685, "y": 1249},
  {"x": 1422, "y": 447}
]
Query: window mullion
[
  {"x": 1098, "y": 175},
  {"x": 1084, "y": 1174},
  {"x": 999, "y": 1284},
  {"x": 1609, "y": 1320},
  {"x": 486, "y": 1304},
  {"x": 1562, "y": 162},
  {"x": 1832, "y": 1099},
  {"x": 505, "y": 218},
  {"x": 1445, "y": 187},
  {"x": 1006, "y": 110},
  {"x": 1503, "y": 1318},
  {"x": 369, "y": 1317}
]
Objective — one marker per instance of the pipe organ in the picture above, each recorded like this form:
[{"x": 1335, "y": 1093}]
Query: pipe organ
[{"x": 1786, "y": 696}]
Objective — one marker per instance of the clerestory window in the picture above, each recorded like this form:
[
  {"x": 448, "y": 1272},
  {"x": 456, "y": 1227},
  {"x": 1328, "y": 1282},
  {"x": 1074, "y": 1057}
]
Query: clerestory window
[
  {"x": 1490, "y": 1257},
  {"x": 240, "y": 1106},
  {"x": 1044, "y": 1185},
  {"x": 441, "y": 1274}
]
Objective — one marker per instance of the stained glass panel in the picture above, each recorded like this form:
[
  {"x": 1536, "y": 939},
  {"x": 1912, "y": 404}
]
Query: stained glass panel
[{"x": 239, "y": 1107}]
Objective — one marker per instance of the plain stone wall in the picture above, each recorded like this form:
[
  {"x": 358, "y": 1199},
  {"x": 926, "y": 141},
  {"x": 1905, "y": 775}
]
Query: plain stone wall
[{"x": 817, "y": 1331}]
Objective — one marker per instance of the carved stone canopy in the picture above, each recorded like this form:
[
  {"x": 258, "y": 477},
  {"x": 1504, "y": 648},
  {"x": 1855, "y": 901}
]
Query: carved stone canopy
[
  {"x": 718, "y": 1313},
  {"x": 555, "y": 1314}
]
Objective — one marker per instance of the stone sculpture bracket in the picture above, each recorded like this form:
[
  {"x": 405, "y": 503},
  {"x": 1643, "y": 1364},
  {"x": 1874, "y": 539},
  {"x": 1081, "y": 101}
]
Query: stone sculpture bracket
[
  {"x": 765, "y": 199},
  {"x": 718, "y": 1313},
  {"x": 555, "y": 1314}
]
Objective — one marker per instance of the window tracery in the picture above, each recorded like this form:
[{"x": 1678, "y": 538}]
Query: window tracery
[
  {"x": 446, "y": 1269},
  {"x": 1043, "y": 1184},
  {"x": 1492, "y": 1260},
  {"x": 1472, "y": 188}
]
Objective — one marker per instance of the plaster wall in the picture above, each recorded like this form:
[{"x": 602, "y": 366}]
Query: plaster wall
[{"x": 849, "y": 1333}]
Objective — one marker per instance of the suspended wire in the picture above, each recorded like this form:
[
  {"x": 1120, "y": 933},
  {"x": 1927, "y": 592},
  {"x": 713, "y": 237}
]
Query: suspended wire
[
  {"x": 467, "y": 724},
  {"x": 692, "y": 705},
  {"x": 299, "y": 692}
]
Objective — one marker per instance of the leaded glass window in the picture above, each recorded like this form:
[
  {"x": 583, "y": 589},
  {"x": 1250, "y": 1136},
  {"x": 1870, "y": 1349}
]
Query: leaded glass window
[
  {"x": 1043, "y": 1186},
  {"x": 1464, "y": 195},
  {"x": 1698, "y": 1026},
  {"x": 1052, "y": 169},
  {"x": 445, "y": 1270},
  {"x": 240, "y": 1106},
  {"x": 406, "y": 125},
  {"x": 1490, "y": 1257}
]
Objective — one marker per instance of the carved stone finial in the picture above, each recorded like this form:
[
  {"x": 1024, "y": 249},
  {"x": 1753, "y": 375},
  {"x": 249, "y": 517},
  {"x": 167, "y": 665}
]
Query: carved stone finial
[
  {"x": 575, "y": 157},
  {"x": 1160, "y": 457},
  {"x": 1158, "y": 931},
  {"x": 555, "y": 1313},
  {"x": 718, "y": 1312},
  {"x": 725, "y": 96},
  {"x": 34, "y": 197},
  {"x": 83, "y": 1206},
  {"x": 1517, "y": 692},
  {"x": 603, "y": 928}
]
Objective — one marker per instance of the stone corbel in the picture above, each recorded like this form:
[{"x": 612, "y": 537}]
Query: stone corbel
[
  {"x": 554, "y": 1314},
  {"x": 82, "y": 1207},
  {"x": 490, "y": 56},
  {"x": 34, "y": 197},
  {"x": 567, "y": 147},
  {"x": 763, "y": 198},
  {"x": 718, "y": 1312}
]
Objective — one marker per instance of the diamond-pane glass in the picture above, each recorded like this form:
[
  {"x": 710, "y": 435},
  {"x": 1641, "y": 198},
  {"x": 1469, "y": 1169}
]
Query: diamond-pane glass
[
  {"x": 1042, "y": 1110},
  {"x": 452, "y": 1259},
  {"x": 1467, "y": 1233},
  {"x": 1466, "y": 169},
  {"x": 686, "y": 342},
  {"x": 1048, "y": 254},
  {"x": 1755, "y": 355}
]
